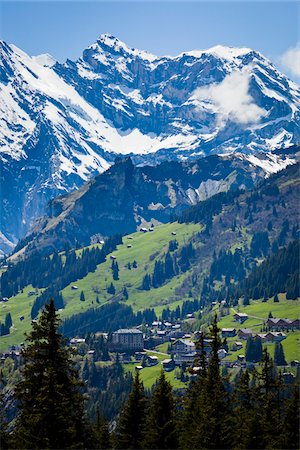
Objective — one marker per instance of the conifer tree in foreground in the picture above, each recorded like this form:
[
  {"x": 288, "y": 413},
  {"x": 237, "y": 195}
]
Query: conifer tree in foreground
[
  {"x": 160, "y": 429},
  {"x": 132, "y": 418},
  {"x": 49, "y": 400}
]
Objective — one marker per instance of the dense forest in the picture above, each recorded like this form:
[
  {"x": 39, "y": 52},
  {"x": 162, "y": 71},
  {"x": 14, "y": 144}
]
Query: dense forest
[{"x": 255, "y": 410}]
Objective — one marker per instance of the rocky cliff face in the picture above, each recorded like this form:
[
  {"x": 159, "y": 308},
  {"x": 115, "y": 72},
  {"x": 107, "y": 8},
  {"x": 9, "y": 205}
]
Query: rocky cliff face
[
  {"x": 61, "y": 124},
  {"x": 126, "y": 197}
]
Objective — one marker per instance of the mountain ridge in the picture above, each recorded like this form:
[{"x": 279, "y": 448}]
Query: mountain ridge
[{"x": 64, "y": 123}]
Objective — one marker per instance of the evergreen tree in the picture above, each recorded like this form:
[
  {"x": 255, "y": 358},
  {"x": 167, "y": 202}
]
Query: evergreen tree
[
  {"x": 4, "y": 435},
  {"x": 48, "y": 396},
  {"x": 8, "y": 320},
  {"x": 160, "y": 429},
  {"x": 125, "y": 293},
  {"x": 279, "y": 358},
  {"x": 291, "y": 421},
  {"x": 146, "y": 283},
  {"x": 101, "y": 432},
  {"x": 111, "y": 289},
  {"x": 131, "y": 422},
  {"x": 276, "y": 299},
  {"x": 82, "y": 297},
  {"x": 254, "y": 349},
  {"x": 115, "y": 270}
]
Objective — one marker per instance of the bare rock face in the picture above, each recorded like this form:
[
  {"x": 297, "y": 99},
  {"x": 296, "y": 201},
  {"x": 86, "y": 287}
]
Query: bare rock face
[{"x": 127, "y": 196}]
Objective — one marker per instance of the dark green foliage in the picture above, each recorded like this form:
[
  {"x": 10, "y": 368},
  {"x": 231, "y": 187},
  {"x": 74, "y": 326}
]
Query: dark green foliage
[
  {"x": 8, "y": 321},
  {"x": 4, "y": 330},
  {"x": 260, "y": 244},
  {"x": 146, "y": 283},
  {"x": 125, "y": 293},
  {"x": 203, "y": 212},
  {"x": 278, "y": 273},
  {"x": 254, "y": 349},
  {"x": 115, "y": 270},
  {"x": 173, "y": 245},
  {"x": 82, "y": 297},
  {"x": 49, "y": 399},
  {"x": 131, "y": 424},
  {"x": 228, "y": 264},
  {"x": 102, "y": 438},
  {"x": 279, "y": 358},
  {"x": 207, "y": 407},
  {"x": 160, "y": 427},
  {"x": 111, "y": 289},
  {"x": 43, "y": 271},
  {"x": 109, "y": 317}
]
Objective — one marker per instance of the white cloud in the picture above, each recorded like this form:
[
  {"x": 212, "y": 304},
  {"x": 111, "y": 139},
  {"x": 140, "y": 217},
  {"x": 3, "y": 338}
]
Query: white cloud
[
  {"x": 291, "y": 60},
  {"x": 230, "y": 99}
]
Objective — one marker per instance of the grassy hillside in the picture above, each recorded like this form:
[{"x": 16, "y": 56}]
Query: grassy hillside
[
  {"x": 146, "y": 248},
  {"x": 258, "y": 313}
]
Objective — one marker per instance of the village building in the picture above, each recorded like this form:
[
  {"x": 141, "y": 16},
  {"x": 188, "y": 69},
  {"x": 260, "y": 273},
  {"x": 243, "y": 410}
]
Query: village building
[
  {"x": 277, "y": 323},
  {"x": 183, "y": 346},
  {"x": 228, "y": 332},
  {"x": 152, "y": 360},
  {"x": 237, "y": 346},
  {"x": 245, "y": 333},
  {"x": 222, "y": 353},
  {"x": 127, "y": 340},
  {"x": 168, "y": 364},
  {"x": 240, "y": 317}
]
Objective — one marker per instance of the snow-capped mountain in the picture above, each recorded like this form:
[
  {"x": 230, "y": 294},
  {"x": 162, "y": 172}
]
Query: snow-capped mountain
[{"x": 60, "y": 124}]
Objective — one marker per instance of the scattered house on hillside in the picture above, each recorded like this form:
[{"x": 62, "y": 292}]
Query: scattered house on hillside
[
  {"x": 245, "y": 333},
  {"x": 77, "y": 341},
  {"x": 175, "y": 334},
  {"x": 143, "y": 230},
  {"x": 138, "y": 368},
  {"x": 130, "y": 339},
  {"x": 277, "y": 323},
  {"x": 4, "y": 299},
  {"x": 295, "y": 363},
  {"x": 152, "y": 360},
  {"x": 74, "y": 288},
  {"x": 183, "y": 346},
  {"x": 168, "y": 364},
  {"x": 275, "y": 336},
  {"x": 288, "y": 378},
  {"x": 228, "y": 332},
  {"x": 140, "y": 355},
  {"x": 237, "y": 346},
  {"x": 173, "y": 233},
  {"x": 240, "y": 317},
  {"x": 113, "y": 257},
  {"x": 222, "y": 353},
  {"x": 163, "y": 335}
]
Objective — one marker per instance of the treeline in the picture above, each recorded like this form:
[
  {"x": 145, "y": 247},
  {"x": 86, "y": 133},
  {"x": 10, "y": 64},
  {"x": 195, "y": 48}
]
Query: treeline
[
  {"x": 171, "y": 266},
  {"x": 258, "y": 410},
  {"x": 278, "y": 273},
  {"x": 203, "y": 212},
  {"x": 109, "y": 317},
  {"x": 187, "y": 307},
  {"x": 228, "y": 264},
  {"x": 42, "y": 271}
]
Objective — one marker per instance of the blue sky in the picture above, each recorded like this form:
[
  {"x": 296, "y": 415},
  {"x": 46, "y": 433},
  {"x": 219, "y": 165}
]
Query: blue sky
[{"x": 64, "y": 29}]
